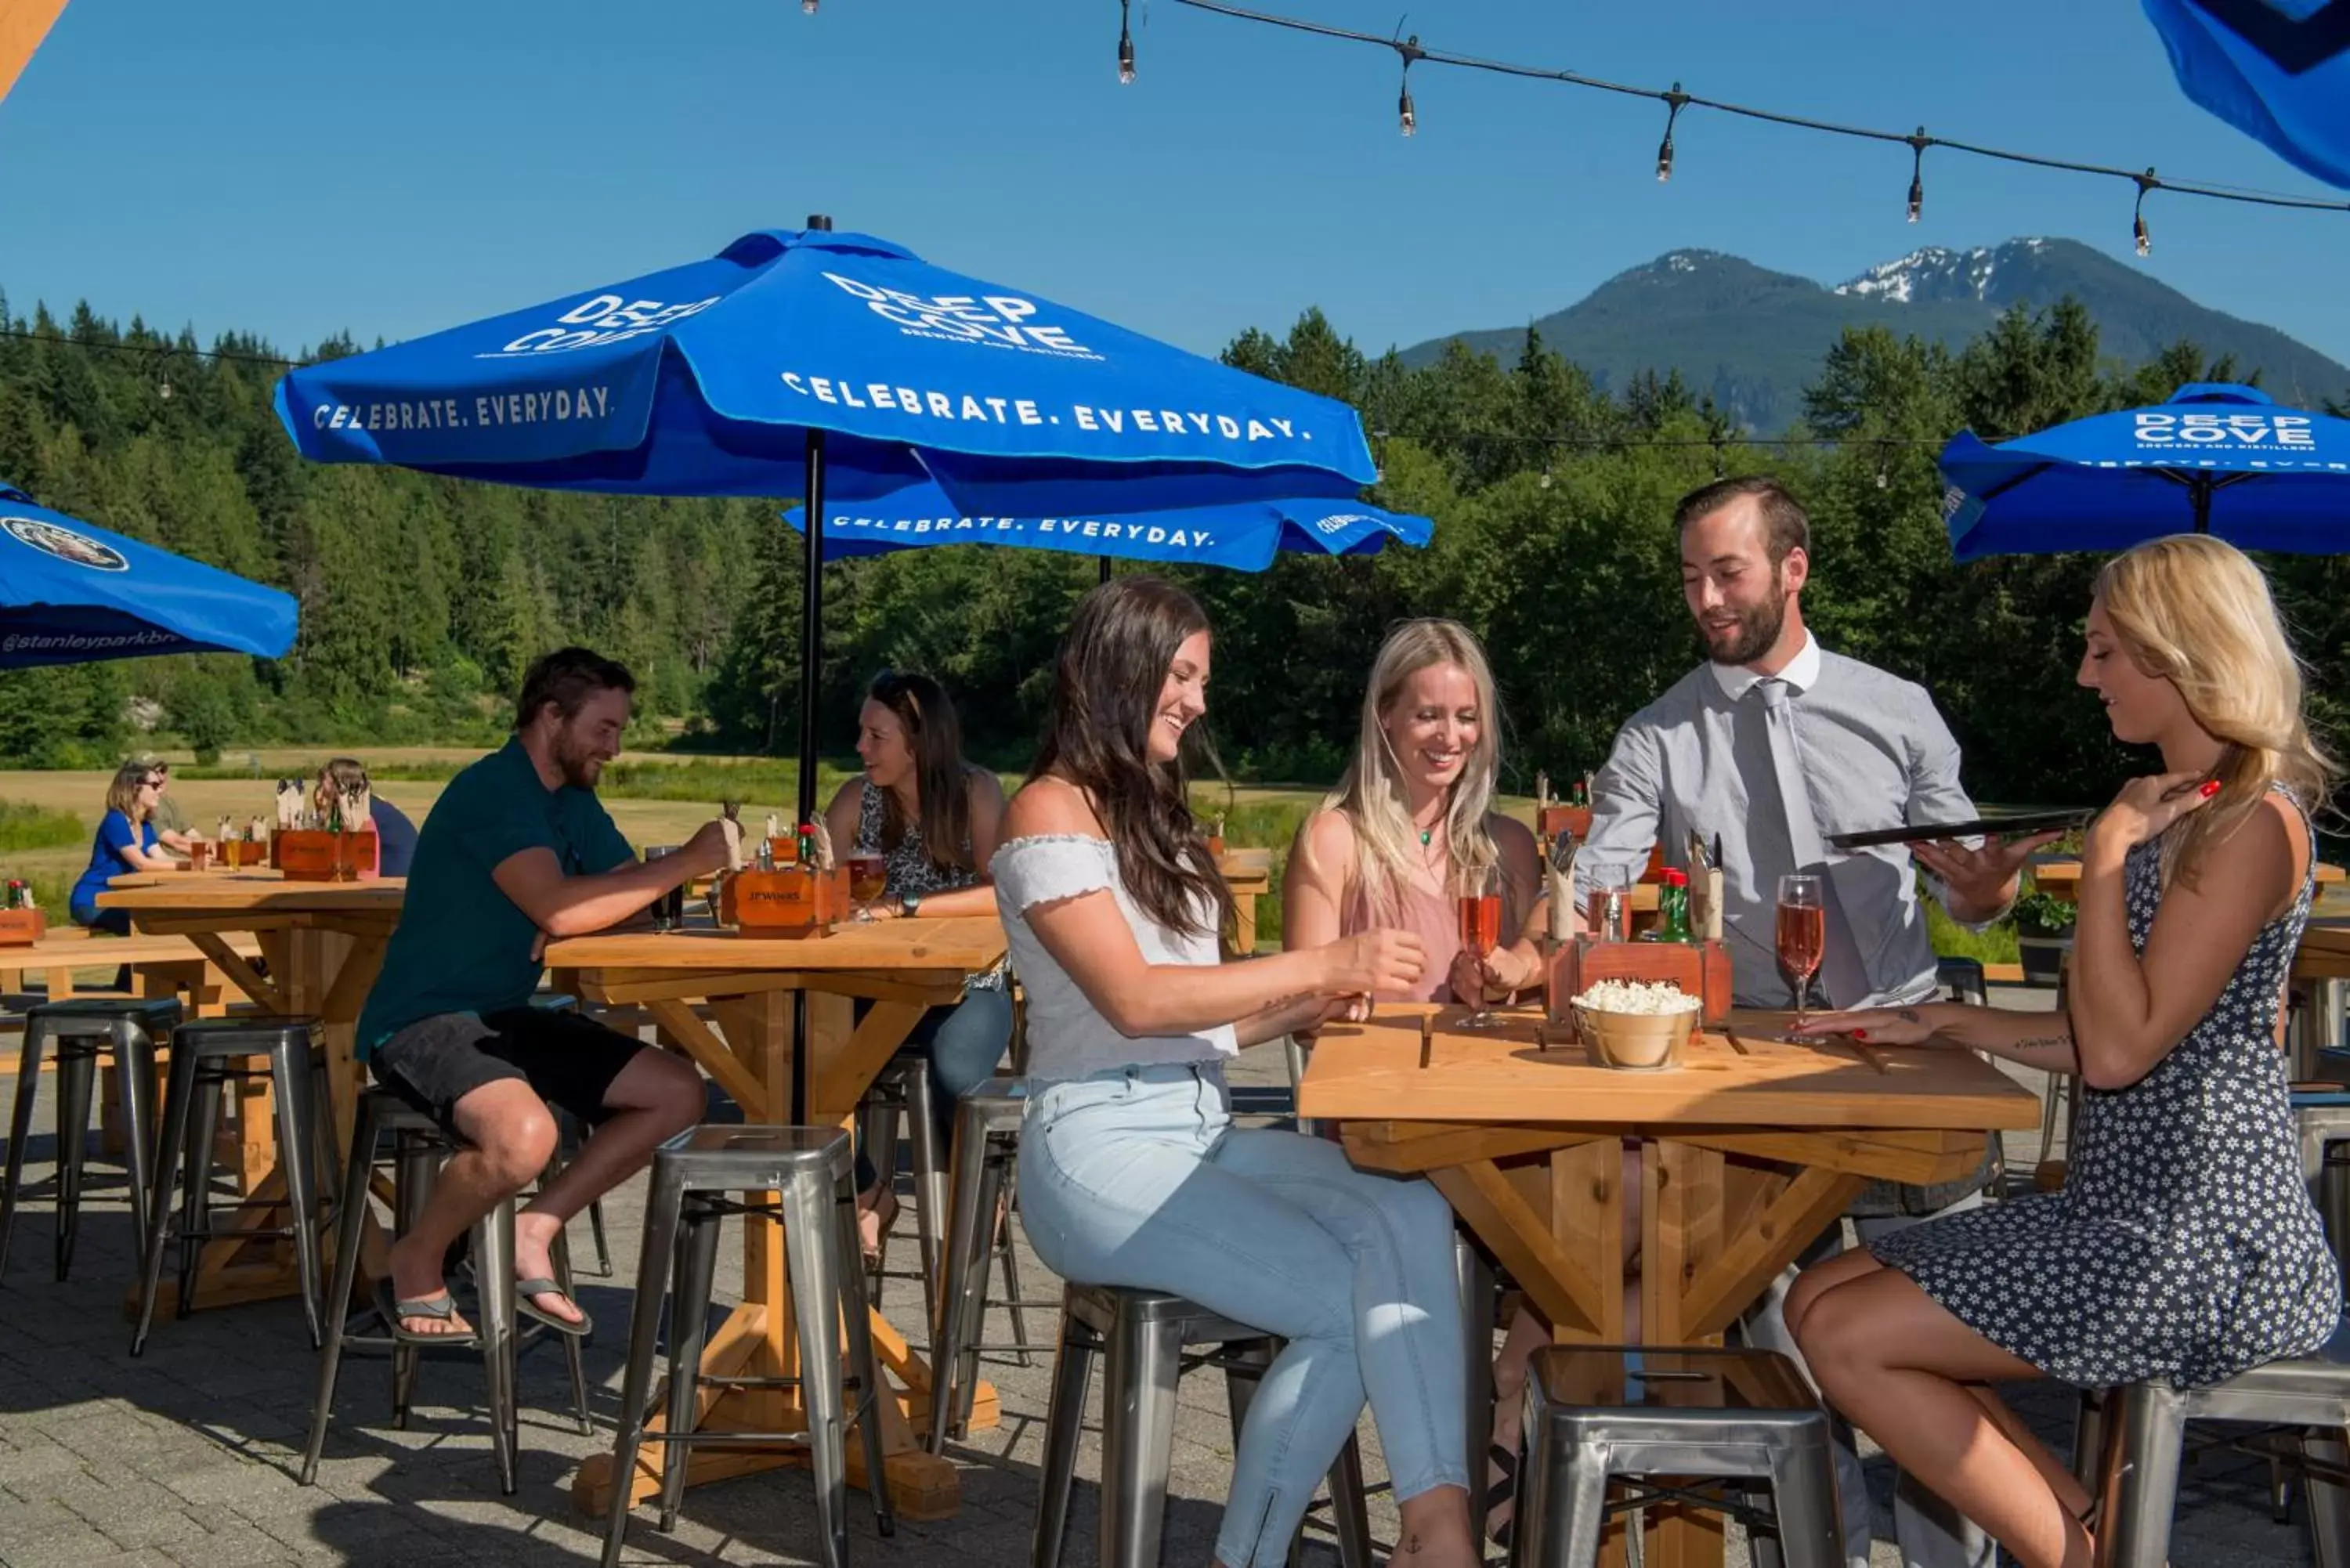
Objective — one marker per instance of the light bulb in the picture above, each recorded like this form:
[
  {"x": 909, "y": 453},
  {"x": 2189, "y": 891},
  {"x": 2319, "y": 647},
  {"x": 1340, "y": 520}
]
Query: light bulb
[
  {"x": 2137, "y": 232},
  {"x": 1918, "y": 142},
  {"x": 1664, "y": 159},
  {"x": 1404, "y": 115},
  {"x": 1917, "y": 197},
  {"x": 1125, "y": 47},
  {"x": 808, "y": 7},
  {"x": 164, "y": 391}
]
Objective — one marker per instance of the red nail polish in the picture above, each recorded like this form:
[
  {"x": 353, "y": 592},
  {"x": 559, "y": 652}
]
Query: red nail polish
[
  {"x": 2210, "y": 788},
  {"x": 1860, "y": 1033}
]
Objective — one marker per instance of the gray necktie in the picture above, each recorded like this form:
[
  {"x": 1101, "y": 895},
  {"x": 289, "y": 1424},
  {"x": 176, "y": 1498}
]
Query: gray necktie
[{"x": 1842, "y": 975}]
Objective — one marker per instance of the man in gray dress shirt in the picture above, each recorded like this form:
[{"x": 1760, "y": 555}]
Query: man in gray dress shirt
[{"x": 1775, "y": 744}]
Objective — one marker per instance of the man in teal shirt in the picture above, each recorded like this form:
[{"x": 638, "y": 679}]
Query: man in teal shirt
[{"x": 518, "y": 850}]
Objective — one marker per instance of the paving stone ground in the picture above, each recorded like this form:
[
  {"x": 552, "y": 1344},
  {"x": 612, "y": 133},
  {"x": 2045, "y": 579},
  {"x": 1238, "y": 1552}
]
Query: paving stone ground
[{"x": 187, "y": 1454}]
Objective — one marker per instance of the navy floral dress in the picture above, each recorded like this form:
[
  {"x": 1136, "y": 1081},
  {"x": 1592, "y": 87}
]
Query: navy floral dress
[{"x": 2183, "y": 1245}]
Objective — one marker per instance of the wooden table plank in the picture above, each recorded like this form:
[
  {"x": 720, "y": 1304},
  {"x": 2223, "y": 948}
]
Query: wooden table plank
[{"x": 1370, "y": 1071}]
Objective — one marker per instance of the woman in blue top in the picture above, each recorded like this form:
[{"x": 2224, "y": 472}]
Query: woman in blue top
[{"x": 126, "y": 842}]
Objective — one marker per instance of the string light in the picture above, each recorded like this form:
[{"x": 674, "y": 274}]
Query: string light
[
  {"x": 808, "y": 7},
  {"x": 1675, "y": 101},
  {"x": 163, "y": 389},
  {"x": 1124, "y": 46},
  {"x": 2144, "y": 242},
  {"x": 1411, "y": 50}
]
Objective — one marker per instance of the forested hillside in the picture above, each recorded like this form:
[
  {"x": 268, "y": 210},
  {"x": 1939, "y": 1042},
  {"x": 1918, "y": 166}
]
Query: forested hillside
[{"x": 422, "y": 598}]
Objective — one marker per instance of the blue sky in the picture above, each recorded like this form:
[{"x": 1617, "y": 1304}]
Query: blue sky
[{"x": 297, "y": 169}]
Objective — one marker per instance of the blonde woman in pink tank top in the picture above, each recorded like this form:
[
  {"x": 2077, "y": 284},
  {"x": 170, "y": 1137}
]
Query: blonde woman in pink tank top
[{"x": 1393, "y": 846}]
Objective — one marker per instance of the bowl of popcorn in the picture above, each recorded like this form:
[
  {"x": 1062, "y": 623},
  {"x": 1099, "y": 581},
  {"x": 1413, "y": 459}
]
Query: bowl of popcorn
[{"x": 1638, "y": 1026}]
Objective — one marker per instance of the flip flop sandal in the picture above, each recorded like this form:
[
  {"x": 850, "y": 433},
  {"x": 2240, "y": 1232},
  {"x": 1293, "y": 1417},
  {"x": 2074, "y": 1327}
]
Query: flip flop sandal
[
  {"x": 525, "y": 1289},
  {"x": 443, "y": 1308}
]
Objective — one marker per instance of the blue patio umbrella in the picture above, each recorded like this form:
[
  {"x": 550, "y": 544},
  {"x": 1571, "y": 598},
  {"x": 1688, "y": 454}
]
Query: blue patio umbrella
[
  {"x": 2277, "y": 70},
  {"x": 73, "y": 593},
  {"x": 1242, "y": 536},
  {"x": 829, "y": 366},
  {"x": 2214, "y": 458}
]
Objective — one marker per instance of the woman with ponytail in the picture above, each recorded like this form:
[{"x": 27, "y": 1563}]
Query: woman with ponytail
[{"x": 2183, "y": 1245}]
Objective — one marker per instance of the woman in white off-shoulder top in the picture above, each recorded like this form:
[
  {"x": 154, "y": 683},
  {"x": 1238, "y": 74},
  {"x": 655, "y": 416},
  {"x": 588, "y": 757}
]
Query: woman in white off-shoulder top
[{"x": 1131, "y": 1172}]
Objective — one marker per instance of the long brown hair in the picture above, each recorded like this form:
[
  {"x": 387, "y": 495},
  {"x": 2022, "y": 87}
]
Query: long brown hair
[
  {"x": 2197, "y": 612},
  {"x": 942, "y": 789},
  {"x": 1106, "y": 683}
]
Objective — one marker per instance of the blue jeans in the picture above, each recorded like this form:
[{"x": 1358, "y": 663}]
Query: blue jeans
[
  {"x": 117, "y": 921},
  {"x": 1136, "y": 1177},
  {"x": 963, "y": 1043}
]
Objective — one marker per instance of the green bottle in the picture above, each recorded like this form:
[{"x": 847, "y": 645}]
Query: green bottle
[{"x": 1672, "y": 908}]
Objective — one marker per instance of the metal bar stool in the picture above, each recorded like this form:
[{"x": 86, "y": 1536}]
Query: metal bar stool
[
  {"x": 986, "y": 1159},
  {"x": 1598, "y": 1413},
  {"x": 903, "y": 1087},
  {"x": 207, "y": 1053},
  {"x": 81, "y": 1029},
  {"x": 1145, "y": 1334},
  {"x": 419, "y": 1146},
  {"x": 812, "y": 1172},
  {"x": 2144, "y": 1430}
]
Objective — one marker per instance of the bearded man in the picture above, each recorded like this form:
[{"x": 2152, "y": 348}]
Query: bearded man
[
  {"x": 518, "y": 850},
  {"x": 1770, "y": 747}
]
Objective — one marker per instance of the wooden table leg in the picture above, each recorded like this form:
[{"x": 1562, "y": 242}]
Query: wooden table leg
[{"x": 1680, "y": 1233}]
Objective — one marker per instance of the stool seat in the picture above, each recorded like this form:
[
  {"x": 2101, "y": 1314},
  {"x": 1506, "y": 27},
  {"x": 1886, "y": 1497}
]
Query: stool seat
[
  {"x": 1598, "y": 1413},
  {"x": 244, "y": 1035},
  {"x": 152, "y": 1011},
  {"x": 717, "y": 1158}
]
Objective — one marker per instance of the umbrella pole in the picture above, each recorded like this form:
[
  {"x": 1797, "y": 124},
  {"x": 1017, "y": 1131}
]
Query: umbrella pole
[
  {"x": 1105, "y": 569},
  {"x": 2200, "y": 486},
  {"x": 811, "y": 663}
]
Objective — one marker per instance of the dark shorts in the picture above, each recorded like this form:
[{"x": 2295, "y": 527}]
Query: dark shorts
[{"x": 568, "y": 1061}]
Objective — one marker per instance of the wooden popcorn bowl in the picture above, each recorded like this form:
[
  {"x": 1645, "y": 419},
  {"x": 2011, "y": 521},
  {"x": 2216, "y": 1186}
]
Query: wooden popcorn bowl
[{"x": 1635, "y": 1042}]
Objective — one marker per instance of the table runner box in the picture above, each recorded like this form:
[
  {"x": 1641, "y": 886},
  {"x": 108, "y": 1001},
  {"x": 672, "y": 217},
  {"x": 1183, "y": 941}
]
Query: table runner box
[
  {"x": 314, "y": 855},
  {"x": 23, "y": 928},
  {"x": 1700, "y": 969},
  {"x": 789, "y": 901}
]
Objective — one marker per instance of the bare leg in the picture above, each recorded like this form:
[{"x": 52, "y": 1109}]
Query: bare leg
[
  {"x": 656, "y": 1096},
  {"x": 1435, "y": 1531},
  {"x": 509, "y": 1134},
  {"x": 1901, "y": 1367}
]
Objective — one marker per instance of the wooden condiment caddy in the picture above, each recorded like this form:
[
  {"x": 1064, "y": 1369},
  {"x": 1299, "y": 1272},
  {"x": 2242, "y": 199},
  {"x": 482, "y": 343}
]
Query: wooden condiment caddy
[
  {"x": 23, "y": 928},
  {"x": 1574, "y": 821},
  {"x": 315, "y": 854},
  {"x": 236, "y": 854},
  {"x": 788, "y": 901}
]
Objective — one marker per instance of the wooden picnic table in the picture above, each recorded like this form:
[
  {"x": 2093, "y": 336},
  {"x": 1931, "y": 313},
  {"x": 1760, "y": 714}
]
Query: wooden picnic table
[
  {"x": 325, "y": 943},
  {"x": 158, "y": 965},
  {"x": 903, "y": 968},
  {"x": 1747, "y": 1152}
]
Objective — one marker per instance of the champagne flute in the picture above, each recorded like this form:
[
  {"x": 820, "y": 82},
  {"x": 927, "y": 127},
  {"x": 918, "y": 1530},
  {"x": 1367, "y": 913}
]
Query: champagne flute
[
  {"x": 1803, "y": 935},
  {"x": 1480, "y": 931}
]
